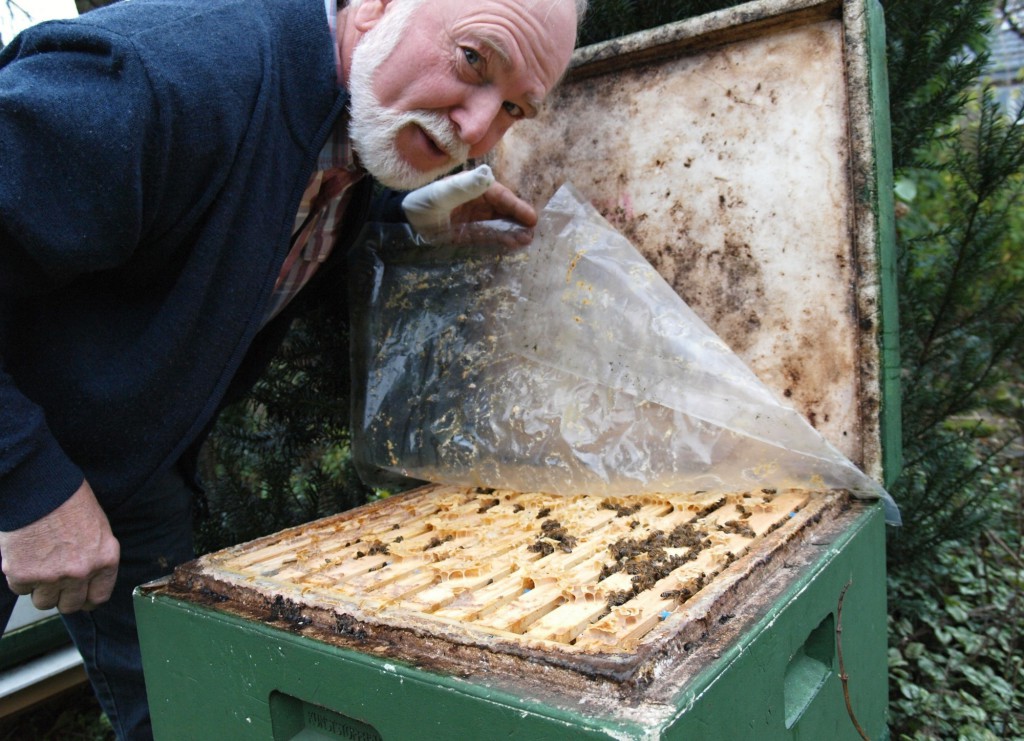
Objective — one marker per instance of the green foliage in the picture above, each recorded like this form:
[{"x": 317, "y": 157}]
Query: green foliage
[
  {"x": 955, "y": 568},
  {"x": 608, "y": 19},
  {"x": 85, "y": 6},
  {"x": 961, "y": 317},
  {"x": 957, "y": 631},
  {"x": 281, "y": 456},
  {"x": 74, "y": 715},
  {"x": 936, "y": 51}
]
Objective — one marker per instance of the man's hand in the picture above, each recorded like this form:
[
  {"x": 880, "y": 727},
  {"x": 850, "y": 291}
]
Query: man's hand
[
  {"x": 67, "y": 559},
  {"x": 455, "y": 207}
]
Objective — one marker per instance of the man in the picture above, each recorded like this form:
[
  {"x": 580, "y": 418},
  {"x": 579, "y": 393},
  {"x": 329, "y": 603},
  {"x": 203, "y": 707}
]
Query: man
[{"x": 176, "y": 178}]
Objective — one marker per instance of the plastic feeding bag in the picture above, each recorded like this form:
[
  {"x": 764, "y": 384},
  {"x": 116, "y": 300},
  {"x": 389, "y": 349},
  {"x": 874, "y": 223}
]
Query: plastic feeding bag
[{"x": 567, "y": 367}]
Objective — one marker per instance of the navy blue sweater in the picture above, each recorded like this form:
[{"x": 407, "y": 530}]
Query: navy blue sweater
[{"x": 152, "y": 157}]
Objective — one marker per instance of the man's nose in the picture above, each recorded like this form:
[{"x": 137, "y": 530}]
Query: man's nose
[{"x": 478, "y": 120}]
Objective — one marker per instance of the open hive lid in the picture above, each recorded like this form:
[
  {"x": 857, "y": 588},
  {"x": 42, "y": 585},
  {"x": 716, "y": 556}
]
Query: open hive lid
[
  {"x": 736, "y": 152},
  {"x": 743, "y": 154}
]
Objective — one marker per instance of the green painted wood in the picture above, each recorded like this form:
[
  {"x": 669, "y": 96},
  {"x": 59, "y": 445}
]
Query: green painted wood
[
  {"x": 32, "y": 640},
  {"x": 213, "y": 675},
  {"x": 788, "y": 665},
  {"x": 891, "y": 421}
]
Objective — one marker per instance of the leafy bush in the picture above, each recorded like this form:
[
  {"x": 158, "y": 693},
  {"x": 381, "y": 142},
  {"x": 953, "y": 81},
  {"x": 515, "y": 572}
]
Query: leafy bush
[
  {"x": 281, "y": 456},
  {"x": 956, "y": 666},
  {"x": 961, "y": 316},
  {"x": 956, "y": 616},
  {"x": 955, "y": 570},
  {"x": 608, "y": 19}
]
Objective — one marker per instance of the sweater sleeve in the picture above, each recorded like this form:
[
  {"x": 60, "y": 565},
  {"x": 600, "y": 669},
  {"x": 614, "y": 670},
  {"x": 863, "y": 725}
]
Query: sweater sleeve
[{"x": 74, "y": 120}]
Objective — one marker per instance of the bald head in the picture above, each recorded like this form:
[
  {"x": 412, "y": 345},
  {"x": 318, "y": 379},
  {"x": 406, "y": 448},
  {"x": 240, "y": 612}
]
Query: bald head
[{"x": 579, "y": 5}]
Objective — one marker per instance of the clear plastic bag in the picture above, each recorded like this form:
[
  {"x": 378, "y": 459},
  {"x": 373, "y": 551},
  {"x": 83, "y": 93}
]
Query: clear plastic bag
[{"x": 567, "y": 367}]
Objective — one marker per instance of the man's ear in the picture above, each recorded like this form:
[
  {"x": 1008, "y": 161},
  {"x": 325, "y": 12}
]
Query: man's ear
[{"x": 369, "y": 13}]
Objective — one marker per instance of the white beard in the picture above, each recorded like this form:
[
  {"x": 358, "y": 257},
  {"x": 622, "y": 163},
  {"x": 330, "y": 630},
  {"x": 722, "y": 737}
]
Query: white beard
[{"x": 374, "y": 128}]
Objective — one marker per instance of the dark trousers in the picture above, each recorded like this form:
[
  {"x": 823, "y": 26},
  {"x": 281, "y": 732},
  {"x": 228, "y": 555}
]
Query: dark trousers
[{"x": 154, "y": 528}]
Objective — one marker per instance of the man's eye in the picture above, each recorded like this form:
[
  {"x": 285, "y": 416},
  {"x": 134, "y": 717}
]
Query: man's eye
[
  {"x": 513, "y": 110},
  {"x": 471, "y": 55}
]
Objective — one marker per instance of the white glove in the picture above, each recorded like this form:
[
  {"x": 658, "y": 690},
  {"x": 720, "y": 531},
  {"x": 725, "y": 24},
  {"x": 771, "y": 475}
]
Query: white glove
[{"x": 429, "y": 208}]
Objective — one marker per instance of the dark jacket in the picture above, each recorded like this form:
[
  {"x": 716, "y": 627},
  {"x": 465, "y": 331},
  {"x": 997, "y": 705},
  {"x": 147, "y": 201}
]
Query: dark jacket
[{"x": 152, "y": 157}]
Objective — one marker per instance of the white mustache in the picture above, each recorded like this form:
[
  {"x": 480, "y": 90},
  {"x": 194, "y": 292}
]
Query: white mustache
[{"x": 441, "y": 130}]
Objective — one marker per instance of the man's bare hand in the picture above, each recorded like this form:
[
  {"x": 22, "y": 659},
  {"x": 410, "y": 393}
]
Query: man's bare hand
[
  {"x": 497, "y": 202},
  {"x": 67, "y": 559}
]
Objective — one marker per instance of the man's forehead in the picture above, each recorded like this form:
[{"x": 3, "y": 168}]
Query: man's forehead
[{"x": 536, "y": 35}]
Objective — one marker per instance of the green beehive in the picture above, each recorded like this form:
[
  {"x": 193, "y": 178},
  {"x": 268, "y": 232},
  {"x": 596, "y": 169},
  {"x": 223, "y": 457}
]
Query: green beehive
[{"x": 745, "y": 154}]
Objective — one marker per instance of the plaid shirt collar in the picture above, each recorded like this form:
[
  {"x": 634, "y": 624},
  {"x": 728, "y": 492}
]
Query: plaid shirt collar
[{"x": 323, "y": 203}]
